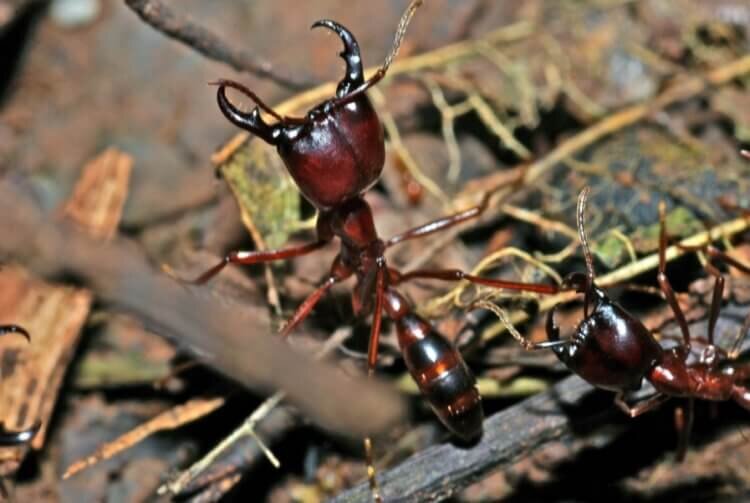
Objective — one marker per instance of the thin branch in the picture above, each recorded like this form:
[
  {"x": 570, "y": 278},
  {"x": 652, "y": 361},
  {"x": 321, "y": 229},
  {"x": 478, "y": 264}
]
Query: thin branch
[
  {"x": 233, "y": 338},
  {"x": 247, "y": 429},
  {"x": 440, "y": 471},
  {"x": 161, "y": 17}
]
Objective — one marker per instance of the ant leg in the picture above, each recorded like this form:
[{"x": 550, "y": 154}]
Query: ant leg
[
  {"x": 717, "y": 255},
  {"x": 640, "y": 407},
  {"x": 737, "y": 346},
  {"x": 304, "y": 309},
  {"x": 683, "y": 422},
  {"x": 458, "y": 275},
  {"x": 666, "y": 287},
  {"x": 377, "y": 318},
  {"x": 372, "y": 359},
  {"x": 715, "y": 301},
  {"x": 252, "y": 257},
  {"x": 14, "y": 329},
  {"x": 441, "y": 223},
  {"x": 741, "y": 396}
]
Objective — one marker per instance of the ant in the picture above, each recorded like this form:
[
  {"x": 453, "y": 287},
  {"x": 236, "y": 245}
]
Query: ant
[
  {"x": 10, "y": 438},
  {"x": 335, "y": 154},
  {"x": 613, "y": 350}
]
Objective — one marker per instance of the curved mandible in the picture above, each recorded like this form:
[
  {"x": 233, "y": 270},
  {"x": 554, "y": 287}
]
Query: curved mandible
[
  {"x": 15, "y": 329},
  {"x": 355, "y": 75},
  {"x": 252, "y": 121}
]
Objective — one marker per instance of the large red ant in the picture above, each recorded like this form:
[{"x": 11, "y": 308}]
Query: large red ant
[
  {"x": 613, "y": 350},
  {"x": 8, "y": 437},
  {"x": 335, "y": 154}
]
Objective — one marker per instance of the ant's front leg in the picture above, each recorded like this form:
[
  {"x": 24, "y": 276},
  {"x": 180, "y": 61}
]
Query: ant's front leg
[
  {"x": 323, "y": 231},
  {"x": 664, "y": 283},
  {"x": 441, "y": 223},
  {"x": 715, "y": 255},
  {"x": 640, "y": 407},
  {"x": 250, "y": 258}
]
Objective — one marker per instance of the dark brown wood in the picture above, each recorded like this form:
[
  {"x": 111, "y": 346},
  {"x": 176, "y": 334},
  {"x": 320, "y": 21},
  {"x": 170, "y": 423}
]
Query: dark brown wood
[
  {"x": 441, "y": 471},
  {"x": 570, "y": 409}
]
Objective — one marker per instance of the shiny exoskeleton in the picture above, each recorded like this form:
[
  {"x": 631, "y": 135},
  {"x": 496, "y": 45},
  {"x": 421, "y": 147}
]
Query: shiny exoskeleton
[
  {"x": 9, "y": 437},
  {"x": 335, "y": 154},
  {"x": 613, "y": 350}
]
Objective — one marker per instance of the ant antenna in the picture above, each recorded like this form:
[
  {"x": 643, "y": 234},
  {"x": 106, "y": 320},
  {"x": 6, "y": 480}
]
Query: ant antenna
[{"x": 580, "y": 214}]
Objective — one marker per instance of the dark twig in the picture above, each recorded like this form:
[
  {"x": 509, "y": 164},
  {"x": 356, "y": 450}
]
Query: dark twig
[
  {"x": 569, "y": 409},
  {"x": 205, "y": 42},
  {"x": 235, "y": 339},
  {"x": 440, "y": 471}
]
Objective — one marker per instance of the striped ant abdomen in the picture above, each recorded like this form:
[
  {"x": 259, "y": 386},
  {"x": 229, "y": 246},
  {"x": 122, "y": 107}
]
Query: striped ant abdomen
[{"x": 438, "y": 369}]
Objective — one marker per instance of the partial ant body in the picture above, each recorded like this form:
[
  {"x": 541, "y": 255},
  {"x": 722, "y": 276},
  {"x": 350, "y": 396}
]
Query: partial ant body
[
  {"x": 335, "y": 154},
  {"x": 10, "y": 438},
  {"x": 613, "y": 350}
]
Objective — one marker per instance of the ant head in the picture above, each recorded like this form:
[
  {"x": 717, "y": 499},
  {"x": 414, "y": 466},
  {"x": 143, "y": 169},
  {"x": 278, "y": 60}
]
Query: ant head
[
  {"x": 336, "y": 152},
  {"x": 610, "y": 348}
]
